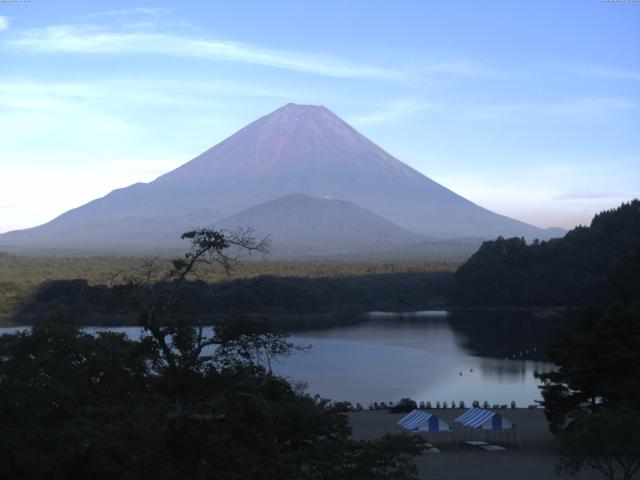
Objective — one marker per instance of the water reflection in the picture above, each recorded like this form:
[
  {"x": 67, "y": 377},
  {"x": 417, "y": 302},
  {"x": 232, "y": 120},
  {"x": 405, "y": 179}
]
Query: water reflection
[
  {"x": 508, "y": 334},
  {"x": 434, "y": 356}
]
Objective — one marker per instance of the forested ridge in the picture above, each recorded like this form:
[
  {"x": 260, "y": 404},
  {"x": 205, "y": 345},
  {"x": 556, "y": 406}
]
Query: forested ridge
[
  {"x": 293, "y": 294},
  {"x": 294, "y": 300},
  {"x": 568, "y": 271}
]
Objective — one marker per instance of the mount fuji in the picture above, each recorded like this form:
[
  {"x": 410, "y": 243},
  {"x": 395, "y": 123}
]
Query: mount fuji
[{"x": 284, "y": 171}]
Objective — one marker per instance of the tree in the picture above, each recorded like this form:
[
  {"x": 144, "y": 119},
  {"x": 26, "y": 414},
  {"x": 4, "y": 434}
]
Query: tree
[
  {"x": 597, "y": 362},
  {"x": 77, "y": 405},
  {"x": 251, "y": 344},
  {"x": 592, "y": 399},
  {"x": 573, "y": 270},
  {"x": 607, "y": 441},
  {"x": 66, "y": 398},
  {"x": 390, "y": 458},
  {"x": 155, "y": 293}
]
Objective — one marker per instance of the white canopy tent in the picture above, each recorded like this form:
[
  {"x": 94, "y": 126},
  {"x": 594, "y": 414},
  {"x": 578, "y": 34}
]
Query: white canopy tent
[
  {"x": 421, "y": 421},
  {"x": 488, "y": 421},
  {"x": 483, "y": 419}
]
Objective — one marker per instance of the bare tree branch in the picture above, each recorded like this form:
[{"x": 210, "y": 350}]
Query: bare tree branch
[{"x": 154, "y": 289}]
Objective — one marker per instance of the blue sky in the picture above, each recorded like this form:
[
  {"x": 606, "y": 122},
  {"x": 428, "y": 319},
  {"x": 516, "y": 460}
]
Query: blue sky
[{"x": 531, "y": 109}]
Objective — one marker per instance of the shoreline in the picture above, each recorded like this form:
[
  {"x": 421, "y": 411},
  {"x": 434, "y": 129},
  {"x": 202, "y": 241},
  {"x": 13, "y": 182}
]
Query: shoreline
[
  {"x": 103, "y": 320},
  {"x": 534, "y": 461},
  {"x": 515, "y": 308}
]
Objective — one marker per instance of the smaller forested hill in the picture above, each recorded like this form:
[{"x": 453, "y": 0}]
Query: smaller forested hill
[{"x": 569, "y": 271}]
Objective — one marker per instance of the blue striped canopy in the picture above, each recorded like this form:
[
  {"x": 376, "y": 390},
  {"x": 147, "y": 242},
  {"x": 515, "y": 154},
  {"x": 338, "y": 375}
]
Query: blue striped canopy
[
  {"x": 419, "y": 420},
  {"x": 483, "y": 419}
]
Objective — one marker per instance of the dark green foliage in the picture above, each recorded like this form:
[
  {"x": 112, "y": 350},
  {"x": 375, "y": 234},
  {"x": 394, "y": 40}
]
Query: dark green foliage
[
  {"x": 74, "y": 405},
  {"x": 592, "y": 399},
  {"x": 390, "y": 458},
  {"x": 247, "y": 342},
  {"x": 305, "y": 295},
  {"x": 263, "y": 295},
  {"x": 573, "y": 270},
  {"x": 66, "y": 397},
  {"x": 598, "y": 362},
  {"x": 607, "y": 441},
  {"x": 405, "y": 405}
]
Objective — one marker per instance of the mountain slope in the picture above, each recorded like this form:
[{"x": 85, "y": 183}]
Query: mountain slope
[
  {"x": 295, "y": 149},
  {"x": 127, "y": 234},
  {"x": 304, "y": 222}
]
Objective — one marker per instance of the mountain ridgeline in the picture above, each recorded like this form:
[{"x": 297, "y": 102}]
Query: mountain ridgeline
[
  {"x": 573, "y": 270},
  {"x": 300, "y": 174}
]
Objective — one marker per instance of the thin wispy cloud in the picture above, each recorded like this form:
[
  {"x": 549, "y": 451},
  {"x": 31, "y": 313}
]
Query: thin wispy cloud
[
  {"x": 584, "y": 194},
  {"x": 548, "y": 192},
  {"x": 461, "y": 69},
  {"x": 131, "y": 11},
  {"x": 580, "y": 106},
  {"x": 39, "y": 97},
  {"x": 394, "y": 111},
  {"x": 142, "y": 18},
  {"x": 92, "y": 39},
  {"x": 601, "y": 71},
  {"x": 405, "y": 109},
  {"x": 22, "y": 94},
  {"x": 4, "y": 23},
  {"x": 583, "y": 107},
  {"x": 156, "y": 35}
]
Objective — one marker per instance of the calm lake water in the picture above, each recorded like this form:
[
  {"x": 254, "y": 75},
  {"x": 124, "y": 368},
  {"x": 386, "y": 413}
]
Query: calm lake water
[{"x": 431, "y": 355}]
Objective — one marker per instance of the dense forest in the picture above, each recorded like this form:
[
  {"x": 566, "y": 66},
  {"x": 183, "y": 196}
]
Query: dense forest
[
  {"x": 292, "y": 301},
  {"x": 569, "y": 271},
  {"x": 592, "y": 397}
]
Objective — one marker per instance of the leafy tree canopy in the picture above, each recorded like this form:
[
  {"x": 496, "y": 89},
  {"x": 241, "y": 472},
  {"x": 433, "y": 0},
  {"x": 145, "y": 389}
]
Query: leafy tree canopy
[
  {"x": 573, "y": 270},
  {"x": 592, "y": 399}
]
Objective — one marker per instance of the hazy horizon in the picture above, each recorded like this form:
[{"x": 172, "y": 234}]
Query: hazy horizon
[{"x": 535, "y": 118}]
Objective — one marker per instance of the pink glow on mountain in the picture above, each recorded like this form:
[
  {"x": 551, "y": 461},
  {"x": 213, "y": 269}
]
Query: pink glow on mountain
[{"x": 289, "y": 140}]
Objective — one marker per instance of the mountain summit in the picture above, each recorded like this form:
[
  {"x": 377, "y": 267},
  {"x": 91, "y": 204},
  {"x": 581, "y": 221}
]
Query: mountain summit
[
  {"x": 297, "y": 149},
  {"x": 295, "y": 140}
]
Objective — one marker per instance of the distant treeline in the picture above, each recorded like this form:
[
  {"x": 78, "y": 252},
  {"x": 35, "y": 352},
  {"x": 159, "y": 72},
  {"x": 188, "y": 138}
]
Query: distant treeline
[
  {"x": 569, "y": 271},
  {"x": 33, "y": 270},
  {"x": 31, "y": 286},
  {"x": 291, "y": 301}
]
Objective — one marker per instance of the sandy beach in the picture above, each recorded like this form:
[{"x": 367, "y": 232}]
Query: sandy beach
[{"x": 534, "y": 461}]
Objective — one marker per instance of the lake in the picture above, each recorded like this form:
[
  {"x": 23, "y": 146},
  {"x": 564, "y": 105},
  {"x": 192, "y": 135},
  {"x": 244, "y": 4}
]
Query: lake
[{"x": 430, "y": 356}]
